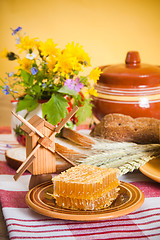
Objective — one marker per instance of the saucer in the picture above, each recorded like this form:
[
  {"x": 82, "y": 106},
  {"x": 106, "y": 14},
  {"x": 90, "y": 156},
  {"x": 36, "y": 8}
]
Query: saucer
[{"x": 38, "y": 199}]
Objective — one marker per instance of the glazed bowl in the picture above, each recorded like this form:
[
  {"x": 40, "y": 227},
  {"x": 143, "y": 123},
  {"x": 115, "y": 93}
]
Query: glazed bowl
[{"x": 132, "y": 88}]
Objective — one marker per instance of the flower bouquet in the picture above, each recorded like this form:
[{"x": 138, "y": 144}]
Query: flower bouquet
[{"x": 51, "y": 76}]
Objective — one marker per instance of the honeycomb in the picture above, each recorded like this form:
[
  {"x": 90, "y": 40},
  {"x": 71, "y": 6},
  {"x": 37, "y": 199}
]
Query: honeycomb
[{"x": 85, "y": 187}]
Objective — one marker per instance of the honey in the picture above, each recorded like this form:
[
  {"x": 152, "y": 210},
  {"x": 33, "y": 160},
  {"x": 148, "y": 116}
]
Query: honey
[{"x": 86, "y": 187}]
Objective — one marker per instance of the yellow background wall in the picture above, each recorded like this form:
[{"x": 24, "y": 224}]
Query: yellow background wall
[{"x": 107, "y": 29}]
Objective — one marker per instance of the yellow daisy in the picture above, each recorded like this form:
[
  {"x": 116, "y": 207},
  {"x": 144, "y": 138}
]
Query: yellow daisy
[
  {"x": 48, "y": 48},
  {"x": 25, "y": 64},
  {"x": 92, "y": 92},
  {"x": 77, "y": 51},
  {"x": 66, "y": 64},
  {"x": 26, "y": 43},
  {"x": 51, "y": 61},
  {"x": 95, "y": 74}
]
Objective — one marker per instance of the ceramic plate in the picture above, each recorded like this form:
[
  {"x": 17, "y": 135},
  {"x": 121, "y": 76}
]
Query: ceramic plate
[
  {"x": 129, "y": 199},
  {"x": 152, "y": 169}
]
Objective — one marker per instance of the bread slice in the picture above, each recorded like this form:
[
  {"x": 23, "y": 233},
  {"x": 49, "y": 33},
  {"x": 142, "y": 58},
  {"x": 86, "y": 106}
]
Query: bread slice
[
  {"x": 16, "y": 156},
  {"x": 123, "y": 128},
  {"x": 86, "y": 187}
]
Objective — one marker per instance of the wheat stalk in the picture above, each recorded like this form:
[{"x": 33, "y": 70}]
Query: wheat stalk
[{"x": 124, "y": 156}]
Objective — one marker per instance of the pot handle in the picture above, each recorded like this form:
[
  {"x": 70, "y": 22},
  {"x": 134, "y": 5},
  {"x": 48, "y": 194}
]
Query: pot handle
[{"x": 132, "y": 59}]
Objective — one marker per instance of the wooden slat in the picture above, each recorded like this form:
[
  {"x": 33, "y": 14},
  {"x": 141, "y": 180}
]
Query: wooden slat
[
  {"x": 71, "y": 154},
  {"x": 23, "y": 169},
  {"x": 65, "y": 120},
  {"x": 77, "y": 138},
  {"x": 28, "y": 124},
  {"x": 36, "y": 121},
  {"x": 66, "y": 159}
]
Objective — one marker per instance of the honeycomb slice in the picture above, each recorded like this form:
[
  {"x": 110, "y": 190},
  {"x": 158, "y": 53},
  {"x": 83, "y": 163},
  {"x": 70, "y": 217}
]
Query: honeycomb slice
[
  {"x": 86, "y": 187},
  {"x": 84, "y": 204}
]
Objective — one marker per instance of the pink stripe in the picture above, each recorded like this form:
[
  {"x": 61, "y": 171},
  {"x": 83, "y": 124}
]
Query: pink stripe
[
  {"x": 87, "y": 223},
  {"x": 3, "y": 151},
  {"x": 82, "y": 127},
  {"x": 5, "y": 129},
  {"x": 13, "y": 199},
  {"x": 150, "y": 189},
  {"x": 10, "y": 145},
  {"x": 5, "y": 169},
  {"x": 133, "y": 237},
  {"x": 90, "y": 228},
  {"x": 85, "y": 235},
  {"x": 64, "y": 222},
  {"x": 13, "y": 143},
  {"x": 144, "y": 210},
  {"x": 151, "y": 215}
]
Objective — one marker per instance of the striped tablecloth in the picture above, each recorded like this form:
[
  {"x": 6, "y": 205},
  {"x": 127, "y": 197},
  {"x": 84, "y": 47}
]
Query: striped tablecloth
[{"x": 23, "y": 223}]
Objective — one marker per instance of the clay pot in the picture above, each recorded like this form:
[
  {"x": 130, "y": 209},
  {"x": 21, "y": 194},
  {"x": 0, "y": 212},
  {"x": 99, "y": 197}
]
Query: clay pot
[{"x": 131, "y": 88}]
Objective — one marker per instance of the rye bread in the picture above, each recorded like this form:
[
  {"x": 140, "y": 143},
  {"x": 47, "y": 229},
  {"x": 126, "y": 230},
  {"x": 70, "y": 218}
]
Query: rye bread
[{"x": 120, "y": 128}]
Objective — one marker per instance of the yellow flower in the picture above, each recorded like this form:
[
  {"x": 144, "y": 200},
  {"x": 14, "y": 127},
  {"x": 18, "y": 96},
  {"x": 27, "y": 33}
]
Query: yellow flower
[
  {"x": 66, "y": 64},
  {"x": 48, "y": 48},
  {"x": 77, "y": 51},
  {"x": 25, "y": 64},
  {"x": 38, "y": 44},
  {"x": 26, "y": 43},
  {"x": 92, "y": 92},
  {"x": 95, "y": 74},
  {"x": 4, "y": 53},
  {"x": 51, "y": 61}
]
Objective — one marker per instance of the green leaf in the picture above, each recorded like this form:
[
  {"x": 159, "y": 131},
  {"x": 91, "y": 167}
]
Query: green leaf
[
  {"x": 55, "y": 109},
  {"x": 76, "y": 72},
  {"x": 84, "y": 80},
  {"x": 28, "y": 103},
  {"x": 84, "y": 111},
  {"x": 65, "y": 90},
  {"x": 36, "y": 88},
  {"x": 40, "y": 76},
  {"x": 27, "y": 77}
]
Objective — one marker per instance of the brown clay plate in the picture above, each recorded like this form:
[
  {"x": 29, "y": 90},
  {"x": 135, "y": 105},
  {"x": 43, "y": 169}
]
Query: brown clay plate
[
  {"x": 152, "y": 169},
  {"x": 129, "y": 199}
]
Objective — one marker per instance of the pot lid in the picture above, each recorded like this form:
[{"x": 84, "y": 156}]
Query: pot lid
[{"x": 131, "y": 74}]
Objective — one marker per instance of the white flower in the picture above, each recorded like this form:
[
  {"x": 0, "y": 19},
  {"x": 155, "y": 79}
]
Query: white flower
[{"x": 31, "y": 56}]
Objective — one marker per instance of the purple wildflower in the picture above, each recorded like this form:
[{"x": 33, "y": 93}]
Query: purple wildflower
[
  {"x": 8, "y": 146},
  {"x": 10, "y": 74},
  {"x": 34, "y": 70},
  {"x": 78, "y": 85},
  {"x": 16, "y": 30},
  {"x": 70, "y": 83},
  {"x": 6, "y": 90},
  {"x": 74, "y": 84}
]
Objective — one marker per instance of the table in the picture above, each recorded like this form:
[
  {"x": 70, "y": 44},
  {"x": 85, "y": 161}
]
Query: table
[
  {"x": 3, "y": 228},
  {"x": 23, "y": 223}
]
